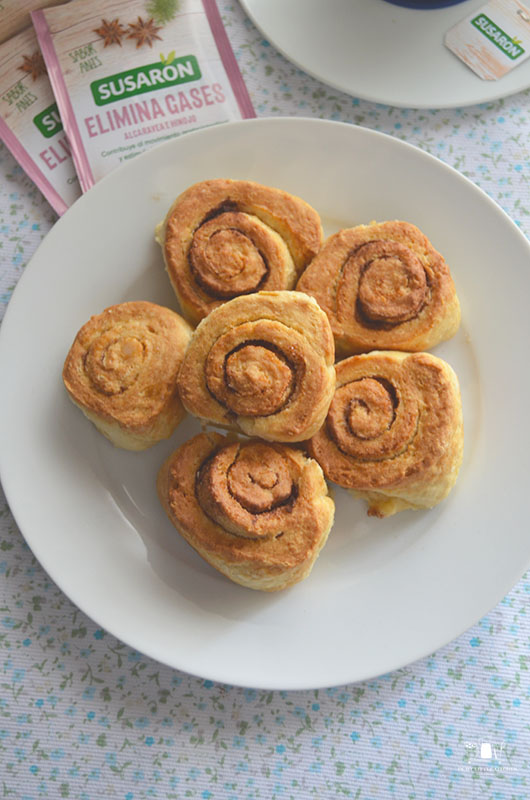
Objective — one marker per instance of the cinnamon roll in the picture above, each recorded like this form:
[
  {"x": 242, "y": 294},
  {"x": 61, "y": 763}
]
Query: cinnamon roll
[
  {"x": 121, "y": 371},
  {"x": 258, "y": 512},
  {"x": 383, "y": 287},
  {"x": 394, "y": 431},
  {"x": 261, "y": 364},
  {"x": 225, "y": 238}
]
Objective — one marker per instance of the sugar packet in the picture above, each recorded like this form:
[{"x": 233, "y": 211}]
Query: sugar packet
[
  {"x": 128, "y": 74},
  {"x": 494, "y": 39},
  {"x": 30, "y": 125}
]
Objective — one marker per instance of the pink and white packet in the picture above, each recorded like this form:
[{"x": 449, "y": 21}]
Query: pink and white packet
[
  {"x": 30, "y": 125},
  {"x": 128, "y": 75}
]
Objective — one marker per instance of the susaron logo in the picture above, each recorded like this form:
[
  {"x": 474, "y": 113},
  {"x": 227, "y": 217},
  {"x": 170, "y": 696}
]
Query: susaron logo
[
  {"x": 511, "y": 47},
  {"x": 145, "y": 79},
  {"x": 48, "y": 121}
]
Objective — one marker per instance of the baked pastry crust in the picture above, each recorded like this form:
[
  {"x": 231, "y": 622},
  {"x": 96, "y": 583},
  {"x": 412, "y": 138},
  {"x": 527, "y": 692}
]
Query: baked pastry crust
[
  {"x": 224, "y": 238},
  {"x": 261, "y": 364},
  {"x": 121, "y": 371},
  {"x": 394, "y": 431},
  {"x": 258, "y": 512},
  {"x": 383, "y": 287}
]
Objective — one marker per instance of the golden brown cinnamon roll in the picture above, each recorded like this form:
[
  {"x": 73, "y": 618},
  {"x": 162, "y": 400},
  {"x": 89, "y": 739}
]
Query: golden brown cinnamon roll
[
  {"x": 122, "y": 369},
  {"x": 394, "y": 431},
  {"x": 224, "y": 238},
  {"x": 258, "y": 512},
  {"x": 261, "y": 364},
  {"x": 383, "y": 287}
]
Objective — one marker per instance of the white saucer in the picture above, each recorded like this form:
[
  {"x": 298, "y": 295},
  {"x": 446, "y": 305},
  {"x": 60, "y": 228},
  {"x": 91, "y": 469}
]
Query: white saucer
[{"x": 380, "y": 52}]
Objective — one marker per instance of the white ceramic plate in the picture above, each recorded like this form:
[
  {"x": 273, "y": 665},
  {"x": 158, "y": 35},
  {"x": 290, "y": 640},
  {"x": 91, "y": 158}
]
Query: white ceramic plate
[
  {"x": 380, "y": 52},
  {"x": 382, "y": 593}
]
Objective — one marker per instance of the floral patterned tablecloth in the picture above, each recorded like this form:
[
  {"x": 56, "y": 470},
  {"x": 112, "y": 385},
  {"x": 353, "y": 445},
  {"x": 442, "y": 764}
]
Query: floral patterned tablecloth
[{"x": 83, "y": 716}]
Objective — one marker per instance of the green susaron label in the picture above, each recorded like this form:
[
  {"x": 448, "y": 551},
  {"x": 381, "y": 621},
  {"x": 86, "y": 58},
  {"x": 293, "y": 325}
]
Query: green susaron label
[
  {"x": 145, "y": 79},
  {"x": 510, "y": 46},
  {"x": 48, "y": 121}
]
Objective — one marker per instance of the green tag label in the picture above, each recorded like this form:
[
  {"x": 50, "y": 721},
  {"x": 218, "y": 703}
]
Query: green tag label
[
  {"x": 145, "y": 79},
  {"x": 48, "y": 121},
  {"x": 511, "y": 47}
]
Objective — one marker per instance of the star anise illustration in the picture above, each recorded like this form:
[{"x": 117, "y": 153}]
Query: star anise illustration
[
  {"x": 145, "y": 32},
  {"x": 111, "y": 32},
  {"x": 34, "y": 65}
]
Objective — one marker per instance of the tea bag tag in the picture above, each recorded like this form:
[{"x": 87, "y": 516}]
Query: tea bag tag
[{"x": 492, "y": 40}]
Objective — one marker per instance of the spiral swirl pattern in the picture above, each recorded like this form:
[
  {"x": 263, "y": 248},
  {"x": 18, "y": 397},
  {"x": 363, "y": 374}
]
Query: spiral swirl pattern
[
  {"x": 258, "y": 512},
  {"x": 383, "y": 286},
  {"x": 394, "y": 430},
  {"x": 262, "y": 364},
  {"x": 222, "y": 239},
  {"x": 122, "y": 372}
]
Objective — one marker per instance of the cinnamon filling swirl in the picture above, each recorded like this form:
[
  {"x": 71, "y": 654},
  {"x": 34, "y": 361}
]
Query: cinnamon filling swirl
[
  {"x": 392, "y": 285},
  {"x": 247, "y": 489},
  {"x": 393, "y": 430},
  {"x": 122, "y": 372},
  {"x": 370, "y": 420},
  {"x": 114, "y": 361},
  {"x": 223, "y": 239},
  {"x": 230, "y": 255},
  {"x": 263, "y": 364},
  {"x": 383, "y": 287},
  {"x": 259, "y": 513}
]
